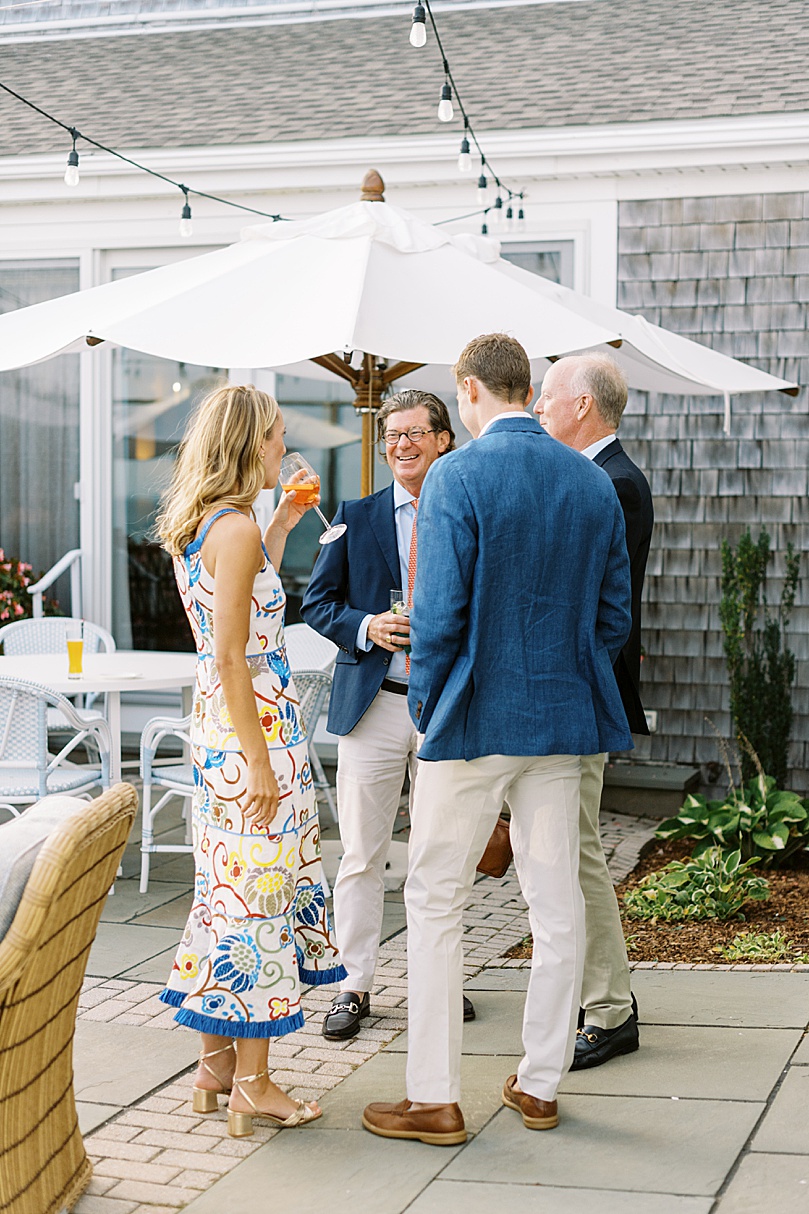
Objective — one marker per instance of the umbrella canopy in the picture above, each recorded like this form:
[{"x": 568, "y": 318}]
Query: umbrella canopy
[{"x": 366, "y": 277}]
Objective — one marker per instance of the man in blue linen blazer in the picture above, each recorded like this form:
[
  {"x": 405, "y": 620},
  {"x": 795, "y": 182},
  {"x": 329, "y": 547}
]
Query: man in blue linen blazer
[{"x": 521, "y": 605}]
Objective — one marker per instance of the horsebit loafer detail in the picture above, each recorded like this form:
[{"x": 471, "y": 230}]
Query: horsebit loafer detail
[
  {"x": 536, "y": 1114},
  {"x": 595, "y": 1046},
  {"x": 439, "y": 1125},
  {"x": 343, "y": 1018}
]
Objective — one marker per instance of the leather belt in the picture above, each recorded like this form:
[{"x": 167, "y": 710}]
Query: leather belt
[{"x": 399, "y": 689}]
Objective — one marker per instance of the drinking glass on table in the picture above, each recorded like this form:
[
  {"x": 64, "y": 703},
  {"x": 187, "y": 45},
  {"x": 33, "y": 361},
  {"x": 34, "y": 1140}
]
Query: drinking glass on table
[
  {"x": 297, "y": 475},
  {"x": 74, "y": 636},
  {"x": 400, "y": 606}
]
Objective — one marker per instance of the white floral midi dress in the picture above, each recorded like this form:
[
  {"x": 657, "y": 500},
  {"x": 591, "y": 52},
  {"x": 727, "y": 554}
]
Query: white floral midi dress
[{"x": 258, "y": 928}]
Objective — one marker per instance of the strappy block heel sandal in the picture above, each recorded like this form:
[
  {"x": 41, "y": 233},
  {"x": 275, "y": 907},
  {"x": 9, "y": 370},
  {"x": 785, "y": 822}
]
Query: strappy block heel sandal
[
  {"x": 240, "y": 1125},
  {"x": 204, "y": 1100}
]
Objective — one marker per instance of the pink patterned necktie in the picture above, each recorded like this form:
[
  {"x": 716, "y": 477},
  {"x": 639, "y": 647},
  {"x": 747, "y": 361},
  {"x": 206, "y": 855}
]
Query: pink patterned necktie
[{"x": 411, "y": 565}]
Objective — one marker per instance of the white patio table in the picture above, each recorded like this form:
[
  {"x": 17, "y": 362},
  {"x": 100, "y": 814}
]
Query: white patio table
[{"x": 110, "y": 674}]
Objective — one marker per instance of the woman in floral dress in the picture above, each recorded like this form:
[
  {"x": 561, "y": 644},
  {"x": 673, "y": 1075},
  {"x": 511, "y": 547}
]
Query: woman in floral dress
[{"x": 258, "y": 927}]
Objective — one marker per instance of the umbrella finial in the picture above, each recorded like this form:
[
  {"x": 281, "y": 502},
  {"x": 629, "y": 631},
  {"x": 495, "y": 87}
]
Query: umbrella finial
[{"x": 373, "y": 187}]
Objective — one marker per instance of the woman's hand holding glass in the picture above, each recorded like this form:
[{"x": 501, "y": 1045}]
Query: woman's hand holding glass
[
  {"x": 294, "y": 502},
  {"x": 297, "y": 475}
]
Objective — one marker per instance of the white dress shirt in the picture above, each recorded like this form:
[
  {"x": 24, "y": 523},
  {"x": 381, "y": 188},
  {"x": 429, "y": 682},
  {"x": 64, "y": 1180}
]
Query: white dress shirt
[
  {"x": 592, "y": 451},
  {"x": 500, "y": 416},
  {"x": 403, "y": 515}
]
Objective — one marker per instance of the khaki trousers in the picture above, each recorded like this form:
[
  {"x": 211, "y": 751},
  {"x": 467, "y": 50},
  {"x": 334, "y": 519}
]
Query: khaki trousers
[
  {"x": 371, "y": 765},
  {"x": 455, "y": 807},
  {"x": 605, "y": 994}
]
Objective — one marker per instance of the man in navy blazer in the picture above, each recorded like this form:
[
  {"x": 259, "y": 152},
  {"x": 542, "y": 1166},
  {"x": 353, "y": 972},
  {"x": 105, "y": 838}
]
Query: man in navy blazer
[
  {"x": 581, "y": 404},
  {"x": 348, "y": 601},
  {"x": 521, "y": 606}
]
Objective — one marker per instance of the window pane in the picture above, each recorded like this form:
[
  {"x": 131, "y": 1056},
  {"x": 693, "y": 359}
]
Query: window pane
[
  {"x": 39, "y": 433},
  {"x": 550, "y": 259},
  {"x": 151, "y": 402}
]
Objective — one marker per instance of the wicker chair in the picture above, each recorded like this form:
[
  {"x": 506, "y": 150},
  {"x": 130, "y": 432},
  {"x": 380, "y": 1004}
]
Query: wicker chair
[{"x": 43, "y": 956}]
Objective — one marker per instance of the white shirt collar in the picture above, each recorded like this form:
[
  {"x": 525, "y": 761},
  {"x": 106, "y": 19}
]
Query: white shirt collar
[
  {"x": 499, "y": 417},
  {"x": 401, "y": 496},
  {"x": 592, "y": 451}
]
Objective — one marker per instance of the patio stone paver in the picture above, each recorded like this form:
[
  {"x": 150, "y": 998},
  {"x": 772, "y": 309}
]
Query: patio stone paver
[
  {"x": 121, "y": 1063},
  {"x": 466, "y": 1197},
  {"x": 785, "y": 1129},
  {"x": 778, "y": 1184},
  {"x": 339, "y": 1171},
  {"x": 722, "y": 998},
  {"x": 119, "y": 946},
  {"x": 695, "y": 1064},
  {"x": 637, "y": 1143},
  {"x": 801, "y": 1057}
]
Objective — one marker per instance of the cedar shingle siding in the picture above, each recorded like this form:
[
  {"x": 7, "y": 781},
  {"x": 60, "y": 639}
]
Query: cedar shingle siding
[{"x": 732, "y": 272}]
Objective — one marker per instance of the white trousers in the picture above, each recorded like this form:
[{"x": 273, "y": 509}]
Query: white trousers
[
  {"x": 371, "y": 765},
  {"x": 455, "y": 808},
  {"x": 605, "y": 994}
]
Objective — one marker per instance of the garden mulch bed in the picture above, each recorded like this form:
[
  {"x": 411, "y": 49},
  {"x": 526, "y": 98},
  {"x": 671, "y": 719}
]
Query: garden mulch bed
[{"x": 787, "y": 911}]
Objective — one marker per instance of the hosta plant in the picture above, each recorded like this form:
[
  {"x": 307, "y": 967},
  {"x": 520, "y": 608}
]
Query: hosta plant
[
  {"x": 764, "y": 823},
  {"x": 713, "y": 885},
  {"x": 761, "y": 947}
]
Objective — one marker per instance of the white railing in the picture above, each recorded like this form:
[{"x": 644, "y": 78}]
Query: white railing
[{"x": 72, "y": 561}]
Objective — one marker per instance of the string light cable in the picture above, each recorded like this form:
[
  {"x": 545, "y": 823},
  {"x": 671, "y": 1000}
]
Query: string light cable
[
  {"x": 418, "y": 38},
  {"x": 72, "y": 172}
]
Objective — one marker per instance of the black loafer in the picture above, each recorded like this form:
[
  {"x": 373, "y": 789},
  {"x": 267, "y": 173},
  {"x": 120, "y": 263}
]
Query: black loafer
[
  {"x": 468, "y": 1010},
  {"x": 595, "y": 1046},
  {"x": 343, "y": 1019}
]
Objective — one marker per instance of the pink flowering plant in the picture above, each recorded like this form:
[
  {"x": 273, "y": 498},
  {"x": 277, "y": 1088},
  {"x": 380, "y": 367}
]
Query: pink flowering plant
[{"x": 15, "y": 599}]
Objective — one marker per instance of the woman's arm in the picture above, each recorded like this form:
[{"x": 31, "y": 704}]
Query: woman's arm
[{"x": 233, "y": 554}]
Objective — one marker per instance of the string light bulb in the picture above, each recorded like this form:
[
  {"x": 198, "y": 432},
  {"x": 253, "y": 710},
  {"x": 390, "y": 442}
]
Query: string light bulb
[
  {"x": 484, "y": 229},
  {"x": 186, "y": 227},
  {"x": 497, "y": 218},
  {"x": 483, "y": 184},
  {"x": 72, "y": 170},
  {"x": 445, "y": 110},
  {"x": 509, "y": 218},
  {"x": 464, "y": 158},
  {"x": 418, "y": 30},
  {"x": 520, "y": 220}
]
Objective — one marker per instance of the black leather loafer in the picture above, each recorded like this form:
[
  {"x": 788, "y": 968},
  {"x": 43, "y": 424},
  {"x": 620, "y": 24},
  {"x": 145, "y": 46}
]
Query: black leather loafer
[
  {"x": 468, "y": 1010},
  {"x": 343, "y": 1018},
  {"x": 595, "y": 1046}
]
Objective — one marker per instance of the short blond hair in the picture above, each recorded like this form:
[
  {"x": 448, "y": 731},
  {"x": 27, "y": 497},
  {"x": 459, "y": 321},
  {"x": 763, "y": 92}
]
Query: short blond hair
[
  {"x": 219, "y": 461},
  {"x": 501, "y": 365}
]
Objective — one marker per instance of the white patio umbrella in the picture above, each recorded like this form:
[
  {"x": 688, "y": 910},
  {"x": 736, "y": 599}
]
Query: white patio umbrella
[{"x": 368, "y": 278}]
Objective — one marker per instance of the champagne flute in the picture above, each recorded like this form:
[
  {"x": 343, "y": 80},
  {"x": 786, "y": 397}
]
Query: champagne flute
[{"x": 306, "y": 487}]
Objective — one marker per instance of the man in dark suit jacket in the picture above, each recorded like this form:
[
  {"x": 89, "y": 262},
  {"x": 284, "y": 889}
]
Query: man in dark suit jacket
[
  {"x": 348, "y": 600},
  {"x": 581, "y": 404}
]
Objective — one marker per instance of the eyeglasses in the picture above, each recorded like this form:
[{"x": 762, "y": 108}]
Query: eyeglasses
[{"x": 415, "y": 434}]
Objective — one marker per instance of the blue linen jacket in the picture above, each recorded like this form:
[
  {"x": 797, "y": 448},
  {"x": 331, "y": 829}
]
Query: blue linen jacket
[
  {"x": 521, "y": 602},
  {"x": 352, "y": 578}
]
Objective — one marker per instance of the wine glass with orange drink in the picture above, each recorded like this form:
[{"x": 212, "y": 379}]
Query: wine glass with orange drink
[{"x": 299, "y": 477}]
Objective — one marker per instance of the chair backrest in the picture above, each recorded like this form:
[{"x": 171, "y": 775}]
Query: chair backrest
[
  {"x": 47, "y": 635},
  {"x": 43, "y": 957},
  {"x": 23, "y": 726},
  {"x": 313, "y": 687},
  {"x": 307, "y": 649}
]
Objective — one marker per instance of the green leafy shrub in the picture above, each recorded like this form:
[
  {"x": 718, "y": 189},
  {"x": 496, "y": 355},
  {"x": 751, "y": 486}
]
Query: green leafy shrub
[
  {"x": 763, "y": 822},
  {"x": 761, "y": 667},
  {"x": 713, "y": 885},
  {"x": 761, "y": 947}
]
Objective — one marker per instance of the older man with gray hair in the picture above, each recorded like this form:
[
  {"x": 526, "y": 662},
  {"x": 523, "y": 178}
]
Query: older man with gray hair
[{"x": 581, "y": 404}]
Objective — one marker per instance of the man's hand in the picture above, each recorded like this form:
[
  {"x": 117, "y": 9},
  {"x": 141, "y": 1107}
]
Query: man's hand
[{"x": 389, "y": 631}]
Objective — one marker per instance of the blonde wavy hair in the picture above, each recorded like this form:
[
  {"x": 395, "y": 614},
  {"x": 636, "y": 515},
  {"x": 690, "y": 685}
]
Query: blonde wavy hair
[{"x": 219, "y": 461}]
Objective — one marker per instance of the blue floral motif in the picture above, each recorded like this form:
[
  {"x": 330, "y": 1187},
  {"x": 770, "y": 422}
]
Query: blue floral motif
[
  {"x": 309, "y": 905},
  {"x": 212, "y": 1003},
  {"x": 237, "y": 962},
  {"x": 214, "y": 759}
]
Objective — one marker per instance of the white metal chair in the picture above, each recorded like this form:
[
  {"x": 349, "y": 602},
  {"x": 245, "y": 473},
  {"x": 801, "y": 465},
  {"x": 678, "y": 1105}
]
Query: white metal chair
[
  {"x": 308, "y": 650},
  {"x": 177, "y": 779},
  {"x": 313, "y": 687},
  {"x": 28, "y": 771},
  {"x": 46, "y": 634}
]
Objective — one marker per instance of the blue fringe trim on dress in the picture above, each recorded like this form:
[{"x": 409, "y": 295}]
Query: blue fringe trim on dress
[
  {"x": 238, "y": 1028},
  {"x": 322, "y": 977},
  {"x": 173, "y": 998}
]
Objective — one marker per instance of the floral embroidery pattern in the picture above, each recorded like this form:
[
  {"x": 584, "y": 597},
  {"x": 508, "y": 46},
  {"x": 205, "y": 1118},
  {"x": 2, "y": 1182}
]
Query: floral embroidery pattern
[{"x": 258, "y": 926}]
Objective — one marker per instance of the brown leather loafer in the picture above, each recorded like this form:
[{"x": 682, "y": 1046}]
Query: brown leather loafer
[
  {"x": 536, "y": 1114},
  {"x": 439, "y": 1125}
]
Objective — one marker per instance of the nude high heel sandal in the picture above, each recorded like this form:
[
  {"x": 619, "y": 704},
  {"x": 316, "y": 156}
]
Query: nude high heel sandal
[
  {"x": 205, "y": 1101},
  {"x": 240, "y": 1125}
]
